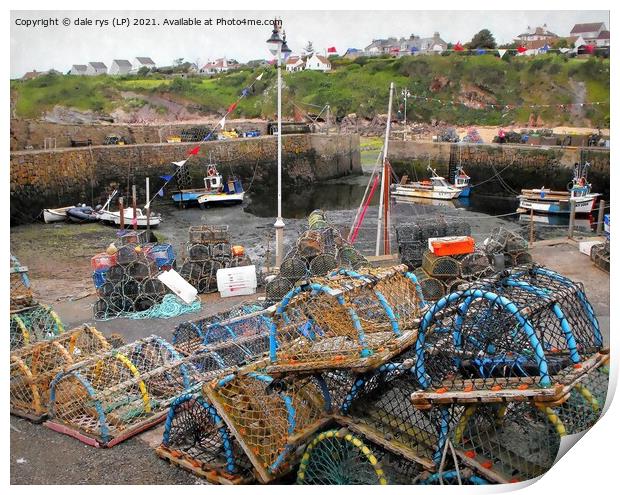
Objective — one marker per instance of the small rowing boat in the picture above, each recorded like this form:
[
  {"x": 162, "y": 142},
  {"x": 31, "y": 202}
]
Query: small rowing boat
[{"x": 51, "y": 215}]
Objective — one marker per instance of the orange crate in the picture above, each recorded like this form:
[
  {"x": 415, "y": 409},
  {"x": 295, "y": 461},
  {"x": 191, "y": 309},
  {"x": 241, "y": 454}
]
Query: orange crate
[
  {"x": 450, "y": 246},
  {"x": 103, "y": 261}
]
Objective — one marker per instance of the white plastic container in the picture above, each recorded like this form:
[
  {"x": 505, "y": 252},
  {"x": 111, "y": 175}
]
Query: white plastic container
[
  {"x": 586, "y": 246},
  {"x": 177, "y": 284},
  {"x": 239, "y": 281}
]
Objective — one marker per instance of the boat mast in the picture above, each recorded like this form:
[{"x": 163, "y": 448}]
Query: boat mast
[{"x": 384, "y": 196}]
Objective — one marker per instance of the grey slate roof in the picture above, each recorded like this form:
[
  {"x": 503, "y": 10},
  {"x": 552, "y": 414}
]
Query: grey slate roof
[{"x": 123, "y": 63}]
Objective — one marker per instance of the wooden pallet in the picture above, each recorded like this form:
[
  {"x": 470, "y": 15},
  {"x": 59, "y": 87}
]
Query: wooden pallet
[{"x": 181, "y": 460}]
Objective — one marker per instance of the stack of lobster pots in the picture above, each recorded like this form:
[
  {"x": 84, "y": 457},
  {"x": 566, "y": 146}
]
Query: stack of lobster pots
[{"x": 208, "y": 250}]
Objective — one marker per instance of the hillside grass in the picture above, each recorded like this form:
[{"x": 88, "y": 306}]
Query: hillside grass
[{"x": 358, "y": 86}]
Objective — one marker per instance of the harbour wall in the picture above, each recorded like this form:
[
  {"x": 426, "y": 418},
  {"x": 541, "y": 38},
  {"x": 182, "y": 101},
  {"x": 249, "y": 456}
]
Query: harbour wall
[
  {"x": 32, "y": 134},
  {"x": 514, "y": 166},
  {"x": 51, "y": 178}
]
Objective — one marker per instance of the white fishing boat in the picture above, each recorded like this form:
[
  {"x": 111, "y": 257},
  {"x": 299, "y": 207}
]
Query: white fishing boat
[
  {"x": 461, "y": 181},
  {"x": 141, "y": 219},
  {"x": 559, "y": 202},
  {"x": 435, "y": 188},
  {"x": 216, "y": 191},
  {"x": 51, "y": 215}
]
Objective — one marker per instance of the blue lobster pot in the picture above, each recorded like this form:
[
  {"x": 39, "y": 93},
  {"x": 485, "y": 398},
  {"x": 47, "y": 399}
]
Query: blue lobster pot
[{"x": 99, "y": 278}]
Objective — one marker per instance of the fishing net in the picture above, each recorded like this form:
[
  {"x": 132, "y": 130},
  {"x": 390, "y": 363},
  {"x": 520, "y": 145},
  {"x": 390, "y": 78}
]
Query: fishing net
[
  {"x": 268, "y": 417},
  {"x": 277, "y": 288},
  {"x": 32, "y": 325},
  {"x": 349, "y": 319},
  {"x": 528, "y": 328},
  {"x": 467, "y": 477},
  {"x": 112, "y": 396},
  {"x": 20, "y": 289},
  {"x": 195, "y": 433},
  {"x": 33, "y": 367}
]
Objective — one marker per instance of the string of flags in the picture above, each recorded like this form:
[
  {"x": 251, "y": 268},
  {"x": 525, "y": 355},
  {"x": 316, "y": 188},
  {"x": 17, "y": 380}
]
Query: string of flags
[
  {"x": 194, "y": 151},
  {"x": 521, "y": 49}
]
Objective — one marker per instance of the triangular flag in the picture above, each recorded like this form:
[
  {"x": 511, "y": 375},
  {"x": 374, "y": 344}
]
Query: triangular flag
[
  {"x": 182, "y": 162},
  {"x": 545, "y": 48},
  {"x": 521, "y": 49},
  {"x": 195, "y": 150},
  {"x": 331, "y": 49},
  {"x": 161, "y": 192},
  {"x": 564, "y": 50},
  {"x": 458, "y": 47},
  {"x": 480, "y": 51},
  {"x": 208, "y": 137},
  {"x": 501, "y": 53},
  {"x": 245, "y": 92},
  {"x": 222, "y": 122},
  {"x": 260, "y": 76},
  {"x": 231, "y": 107}
]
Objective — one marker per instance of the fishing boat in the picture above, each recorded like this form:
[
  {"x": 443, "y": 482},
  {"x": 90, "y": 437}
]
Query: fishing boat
[
  {"x": 51, "y": 215},
  {"x": 559, "y": 202},
  {"x": 216, "y": 191},
  {"x": 82, "y": 214},
  {"x": 461, "y": 181},
  {"x": 435, "y": 188},
  {"x": 114, "y": 217}
]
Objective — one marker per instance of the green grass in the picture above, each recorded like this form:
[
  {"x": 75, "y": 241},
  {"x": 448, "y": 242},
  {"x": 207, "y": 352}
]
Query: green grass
[{"x": 359, "y": 86}]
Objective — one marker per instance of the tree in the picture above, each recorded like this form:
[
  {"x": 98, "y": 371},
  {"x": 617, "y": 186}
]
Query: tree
[
  {"x": 143, "y": 71},
  {"x": 483, "y": 39},
  {"x": 561, "y": 43},
  {"x": 178, "y": 61},
  {"x": 309, "y": 49}
]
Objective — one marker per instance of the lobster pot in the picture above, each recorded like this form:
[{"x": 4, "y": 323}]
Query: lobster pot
[
  {"x": 20, "y": 290},
  {"x": 317, "y": 220},
  {"x": 322, "y": 264},
  {"x": 33, "y": 368},
  {"x": 127, "y": 254},
  {"x": 342, "y": 321},
  {"x": 503, "y": 240},
  {"x": 508, "y": 333},
  {"x": 277, "y": 288},
  {"x": 349, "y": 257},
  {"x": 221, "y": 250},
  {"x": 199, "y": 252},
  {"x": 116, "y": 273},
  {"x": 33, "y": 325},
  {"x": 432, "y": 288},
  {"x": 310, "y": 244},
  {"x": 475, "y": 265},
  {"x": 240, "y": 261},
  {"x": 196, "y": 438},
  {"x": 162, "y": 254},
  {"x": 113, "y": 396},
  {"x": 379, "y": 405},
  {"x": 293, "y": 269},
  {"x": 514, "y": 442},
  {"x": 206, "y": 234},
  {"x": 132, "y": 236},
  {"x": 141, "y": 269},
  {"x": 269, "y": 419},
  {"x": 453, "y": 285},
  {"x": 440, "y": 266},
  {"x": 521, "y": 258},
  {"x": 599, "y": 254},
  {"x": 411, "y": 252}
]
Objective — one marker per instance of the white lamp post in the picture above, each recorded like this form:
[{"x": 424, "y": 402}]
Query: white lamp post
[
  {"x": 406, "y": 94},
  {"x": 279, "y": 48}
]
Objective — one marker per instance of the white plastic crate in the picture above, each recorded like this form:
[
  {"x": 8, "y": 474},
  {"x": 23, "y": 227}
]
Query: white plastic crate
[{"x": 238, "y": 281}]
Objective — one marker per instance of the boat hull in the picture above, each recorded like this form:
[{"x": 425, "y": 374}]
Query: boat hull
[
  {"x": 115, "y": 218},
  {"x": 51, "y": 215},
  {"x": 187, "y": 196},
  {"x": 465, "y": 191},
  {"x": 425, "y": 193},
  {"x": 208, "y": 199},
  {"x": 585, "y": 205}
]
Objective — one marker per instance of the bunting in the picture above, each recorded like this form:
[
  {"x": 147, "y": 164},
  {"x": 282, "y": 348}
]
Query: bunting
[
  {"x": 480, "y": 51},
  {"x": 222, "y": 122},
  {"x": 260, "y": 76},
  {"x": 331, "y": 49},
  {"x": 232, "y": 107},
  {"x": 458, "y": 47},
  {"x": 194, "y": 151},
  {"x": 501, "y": 52},
  {"x": 521, "y": 49},
  {"x": 182, "y": 162}
]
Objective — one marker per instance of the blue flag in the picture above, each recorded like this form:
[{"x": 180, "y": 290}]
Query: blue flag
[
  {"x": 480, "y": 51},
  {"x": 245, "y": 92}
]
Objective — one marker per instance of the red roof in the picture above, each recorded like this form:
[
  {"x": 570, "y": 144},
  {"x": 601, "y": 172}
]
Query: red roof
[
  {"x": 323, "y": 59},
  {"x": 587, "y": 27}
]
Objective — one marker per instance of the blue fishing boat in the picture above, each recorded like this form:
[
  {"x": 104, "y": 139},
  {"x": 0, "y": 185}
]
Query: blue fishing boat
[
  {"x": 215, "y": 191},
  {"x": 461, "y": 181}
]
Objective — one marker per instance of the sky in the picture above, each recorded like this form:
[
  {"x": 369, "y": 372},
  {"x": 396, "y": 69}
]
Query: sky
[{"x": 42, "y": 48}]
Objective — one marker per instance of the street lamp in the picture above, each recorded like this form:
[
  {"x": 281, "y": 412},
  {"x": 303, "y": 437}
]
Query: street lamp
[
  {"x": 406, "y": 94},
  {"x": 279, "y": 48}
]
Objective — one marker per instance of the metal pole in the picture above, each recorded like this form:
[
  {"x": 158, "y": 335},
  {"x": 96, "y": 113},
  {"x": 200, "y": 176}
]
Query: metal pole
[
  {"x": 279, "y": 225},
  {"x": 385, "y": 152},
  {"x": 601, "y": 217},
  {"x": 148, "y": 210},
  {"x": 405, "y": 133},
  {"x": 571, "y": 219},
  {"x": 133, "y": 204},
  {"x": 121, "y": 213},
  {"x": 531, "y": 227}
]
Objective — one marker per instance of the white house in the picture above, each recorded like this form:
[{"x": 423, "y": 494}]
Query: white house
[
  {"x": 96, "y": 69},
  {"x": 589, "y": 31},
  {"x": 215, "y": 67},
  {"x": 602, "y": 39},
  {"x": 120, "y": 67},
  {"x": 78, "y": 70},
  {"x": 140, "y": 62},
  {"x": 295, "y": 63},
  {"x": 318, "y": 62},
  {"x": 538, "y": 34}
]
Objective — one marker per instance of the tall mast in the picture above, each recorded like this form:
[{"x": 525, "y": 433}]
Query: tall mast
[{"x": 383, "y": 197}]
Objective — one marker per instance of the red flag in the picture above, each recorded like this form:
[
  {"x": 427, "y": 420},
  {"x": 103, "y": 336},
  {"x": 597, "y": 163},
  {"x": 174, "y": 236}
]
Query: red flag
[
  {"x": 195, "y": 150},
  {"x": 521, "y": 49},
  {"x": 331, "y": 49},
  {"x": 458, "y": 47},
  {"x": 231, "y": 108},
  {"x": 589, "y": 48}
]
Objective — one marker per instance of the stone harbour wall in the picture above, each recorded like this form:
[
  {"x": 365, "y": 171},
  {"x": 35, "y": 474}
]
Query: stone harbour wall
[{"x": 52, "y": 178}]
